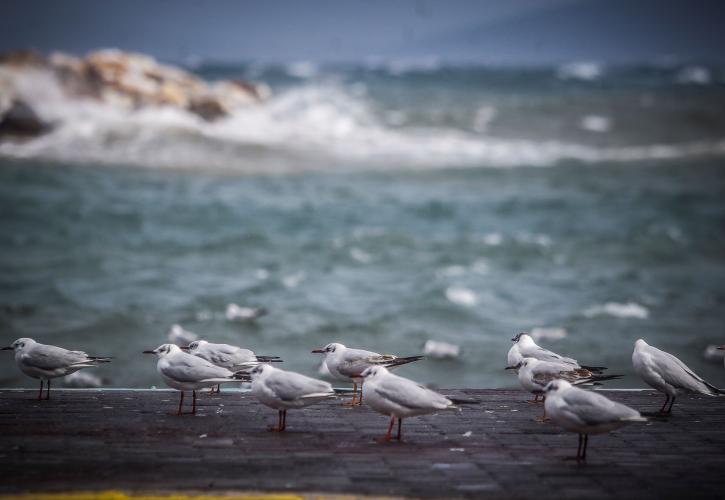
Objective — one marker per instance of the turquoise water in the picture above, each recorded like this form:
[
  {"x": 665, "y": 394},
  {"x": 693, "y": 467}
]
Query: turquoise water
[{"x": 107, "y": 258}]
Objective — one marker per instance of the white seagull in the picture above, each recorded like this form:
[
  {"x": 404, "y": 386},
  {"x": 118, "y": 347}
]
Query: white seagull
[
  {"x": 46, "y": 362},
  {"x": 347, "y": 364},
  {"x": 534, "y": 374},
  {"x": 283, "y": 390},
  {"x": 667, "y": 374},
  {"x": 228, "y": 356},
  {"x": 525, "y": 347},
  {"x": 186, "y": 372},
  {"x": 585, "y": 412},
  {"x": 400, "y": 397}
]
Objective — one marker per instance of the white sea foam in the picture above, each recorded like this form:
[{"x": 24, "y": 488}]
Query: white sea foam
[
  {"x": 595, "y": 123},
  {"x": 310, "y": 126},
  {"x": 694, "y": 75},
  {"x": 619, "y": 310},
  {"x": 548, "y": 333},
  {"x": 461, "y": 295},
  {"x": 583, "y": 70}
]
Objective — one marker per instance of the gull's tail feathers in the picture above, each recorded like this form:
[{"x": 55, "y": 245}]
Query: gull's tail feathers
[
  {"x": 320, "y": 395},
  {"x": 240, "y": 376},
  {"x": 100, "y": 359},
  {"x": 402, "y": 361},
  {"x": 595, "y": 369},
  {"x": 270, "y": 359}
]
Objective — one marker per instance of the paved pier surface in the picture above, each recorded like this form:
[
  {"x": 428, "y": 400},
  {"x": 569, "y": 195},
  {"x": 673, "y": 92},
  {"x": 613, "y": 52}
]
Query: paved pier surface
[{"x": 126, "y": 440}]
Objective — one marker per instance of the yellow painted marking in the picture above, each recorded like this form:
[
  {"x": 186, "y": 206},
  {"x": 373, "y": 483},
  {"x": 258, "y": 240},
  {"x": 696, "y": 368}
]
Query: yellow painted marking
[{"x": 117, "y": 495}]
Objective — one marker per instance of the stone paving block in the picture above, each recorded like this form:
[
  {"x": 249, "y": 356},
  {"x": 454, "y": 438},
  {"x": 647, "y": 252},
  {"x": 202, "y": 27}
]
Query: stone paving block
[{"x": 99, "y": 440}]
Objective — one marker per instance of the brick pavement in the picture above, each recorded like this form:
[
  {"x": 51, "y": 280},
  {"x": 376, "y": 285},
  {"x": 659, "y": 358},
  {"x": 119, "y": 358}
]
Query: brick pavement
[{"x": 126, "y": 440}]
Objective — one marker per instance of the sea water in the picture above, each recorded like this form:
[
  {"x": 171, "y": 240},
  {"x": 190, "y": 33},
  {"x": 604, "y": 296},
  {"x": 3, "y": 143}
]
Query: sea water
[{"x": 379, "y": 206}]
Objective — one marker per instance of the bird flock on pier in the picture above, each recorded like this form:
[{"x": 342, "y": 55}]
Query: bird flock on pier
[{"x": 556, "y": 379}]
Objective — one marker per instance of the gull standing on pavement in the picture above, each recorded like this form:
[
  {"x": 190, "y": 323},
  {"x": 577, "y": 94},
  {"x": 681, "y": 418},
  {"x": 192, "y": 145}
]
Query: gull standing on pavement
[
  {"x": 525, "y": 347},
  {"x": 667, "y": 374},
  {"x": 228, "y": 356},
  {"x": 585, "y": 412},
  {"x": 535, "y": 374},
  {"x": 283, "y": 390},
  {"x": 400, "y": 397},
  {"x": 186, "y": 372},
  {"x": 46, "y": 362},
  {"x": 348, "y": 364}
]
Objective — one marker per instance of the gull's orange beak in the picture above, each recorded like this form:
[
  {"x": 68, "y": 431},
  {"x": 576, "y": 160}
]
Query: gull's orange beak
[{"x": 184, "y": 348}]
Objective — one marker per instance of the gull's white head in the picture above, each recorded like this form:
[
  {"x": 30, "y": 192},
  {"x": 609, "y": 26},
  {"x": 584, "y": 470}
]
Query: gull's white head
[
  {"x": 19, "y": 345},
  {"x": 164, "y": 350},
  {"x": 556, "y": 386},
  {"x": 260, "y": 370},
  {"x": 528, "y": 362},
  {"x": 330, "y": 348},
  {"x": 195, "y": 346},
  {"x": 523, "y": 339},
  {"x": 373, "y": 371},
  {"x": 640, "y": 343}
]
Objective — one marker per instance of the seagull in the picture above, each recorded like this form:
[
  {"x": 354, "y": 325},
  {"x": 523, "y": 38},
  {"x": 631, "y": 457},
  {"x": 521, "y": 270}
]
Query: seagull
[
  {"x": 400, "y": 397},
  {"x": 83, "y": 380},
  {"x": 525, "y": 347},
  {"x": 667, "y": 374},
  {"x": 179, "y": 336},
  {"x": 186, "y": 372},
  {"x": 585, "y": 412},
  {"x": 282, "y": 390},
  {"x": 534, "y": 374},
  {"x": 228, "y": 356},
  {"x": 242, "y": 314},
  {"x": 722, "y": 348},
  {"x": 345, "y": 364},
  {"x": 46, "y": 362}
]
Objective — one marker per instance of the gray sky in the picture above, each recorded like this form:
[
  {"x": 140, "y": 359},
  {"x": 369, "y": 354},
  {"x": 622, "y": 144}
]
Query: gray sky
[{"x": 526, "y": 31}]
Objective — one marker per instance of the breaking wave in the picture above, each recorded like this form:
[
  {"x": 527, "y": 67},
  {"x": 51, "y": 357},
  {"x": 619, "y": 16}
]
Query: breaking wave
[{"x": 313, "y": 125}]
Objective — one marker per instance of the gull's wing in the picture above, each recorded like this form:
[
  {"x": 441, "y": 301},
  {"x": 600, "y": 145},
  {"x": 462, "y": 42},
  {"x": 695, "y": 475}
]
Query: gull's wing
[
  {"x": 355, "y": 361},
  {"x": 220, "y": 354},
  {"x": 289, "y": 386},
  {"x": 545, "y": 355},
  {"x": 594, "y": 409},
  {"x": 50, "y": 357},
  {"x": 189, "y": 368},
  {"x": 409, "y": 394},
  {"x": 677, "y": 373}
]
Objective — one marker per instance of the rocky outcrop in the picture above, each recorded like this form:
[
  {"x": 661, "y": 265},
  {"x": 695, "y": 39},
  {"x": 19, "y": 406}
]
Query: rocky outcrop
[
  {"x": 18, "y": 120},
  {"x": 115, "y": 78}
]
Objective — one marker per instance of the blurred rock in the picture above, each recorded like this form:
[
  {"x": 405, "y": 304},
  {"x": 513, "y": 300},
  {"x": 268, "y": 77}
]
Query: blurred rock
[
  {"x": 122, "y": 80},
  {"x": 18, "y": 120}
]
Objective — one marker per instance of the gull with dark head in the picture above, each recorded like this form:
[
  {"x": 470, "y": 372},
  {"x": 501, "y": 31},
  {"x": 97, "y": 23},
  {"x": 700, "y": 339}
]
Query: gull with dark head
[
  {"x": 525, "y": 347},
  {"x": 348, "y": 364},
  {"x": 284, "y": 390},
  {"x": 585, "y": 412},
  {"x": 399, "y": 397},
  {"x": 535, "y": 374},
  {"x": 46, "y": 362},
  {"x": 228, "y": 356},
  {"x": 185, "y": 372},
  {"x": 667, "y": 374}
]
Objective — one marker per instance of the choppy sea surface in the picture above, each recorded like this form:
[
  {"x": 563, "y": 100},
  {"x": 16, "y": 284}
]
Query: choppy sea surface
[{"x": 380, "y": 206}]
